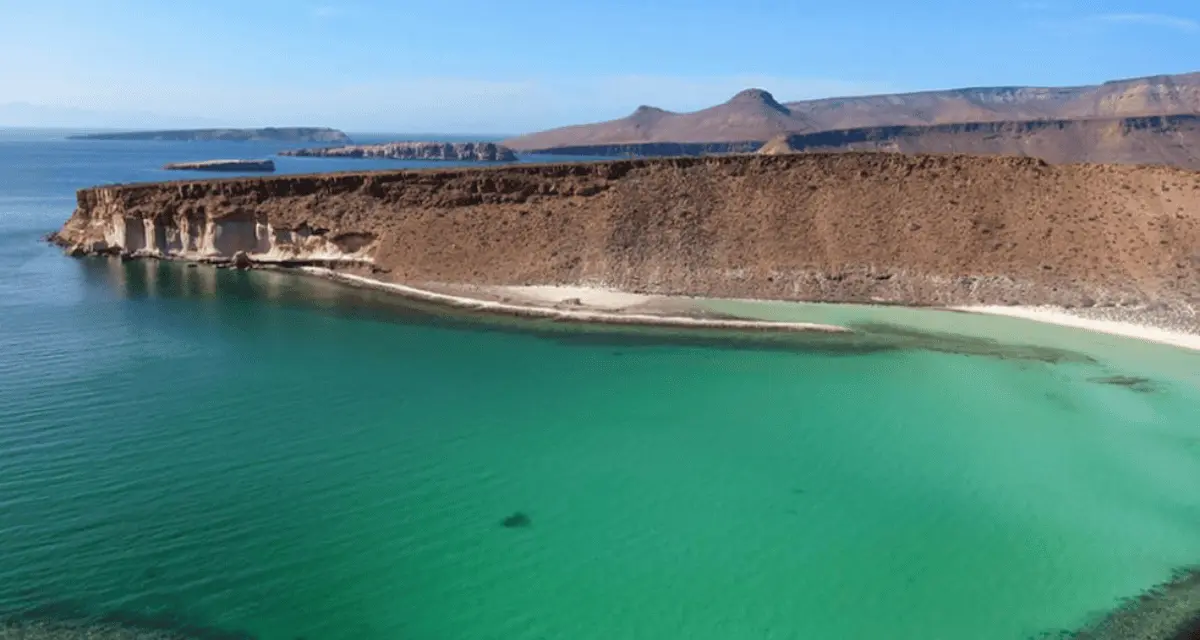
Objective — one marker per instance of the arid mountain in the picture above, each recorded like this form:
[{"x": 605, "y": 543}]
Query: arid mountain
[
  {"x": 752, "y": 114},
  {"x": 1171, "y": 140},
  {"x": 1153, "y": 96},
  {"x": 756, "y": 115}
]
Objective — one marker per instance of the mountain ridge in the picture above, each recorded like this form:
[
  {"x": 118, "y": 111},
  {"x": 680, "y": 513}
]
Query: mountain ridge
[
  {"x": 1166, "y": 140},
  {"x": 754, "y": 114}
]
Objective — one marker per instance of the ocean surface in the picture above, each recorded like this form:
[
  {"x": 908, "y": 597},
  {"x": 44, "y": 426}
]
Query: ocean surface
[{"x": 281, "y": 457}]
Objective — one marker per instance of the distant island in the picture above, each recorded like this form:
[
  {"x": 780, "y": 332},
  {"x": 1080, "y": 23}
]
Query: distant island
[
  {"x": 265, "y": 166},
  {"x": 278, "y": 134},
  {"x": 469, "y": 151}
]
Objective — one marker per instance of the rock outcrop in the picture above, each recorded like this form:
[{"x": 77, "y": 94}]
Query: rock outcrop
[
  {"x": 222, "y": 165},
  {"x": 280, "y": 134},
  {"x": 756, "y": 115},
  {"x": 460, "y": 151},
  {"x": 834, "y": 227}
]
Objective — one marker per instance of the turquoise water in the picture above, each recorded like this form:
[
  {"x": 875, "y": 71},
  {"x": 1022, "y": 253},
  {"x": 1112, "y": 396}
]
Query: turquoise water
[{"x": 286, "y": 457}]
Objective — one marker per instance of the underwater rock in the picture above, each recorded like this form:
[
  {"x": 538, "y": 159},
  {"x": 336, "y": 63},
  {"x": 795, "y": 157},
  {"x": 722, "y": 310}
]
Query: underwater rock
[
  {"x": 517, "y": 520},
  {"x": 1133, "y": 383},
  {"x": 1170, "y": 611}
]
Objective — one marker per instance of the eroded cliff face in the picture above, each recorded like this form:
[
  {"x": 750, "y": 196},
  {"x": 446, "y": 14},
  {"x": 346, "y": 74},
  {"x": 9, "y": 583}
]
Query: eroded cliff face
[
  {"x": 463, "y": 151},
  {"x": 834, "y": 227},
  {"x": 127, "y": 221}
]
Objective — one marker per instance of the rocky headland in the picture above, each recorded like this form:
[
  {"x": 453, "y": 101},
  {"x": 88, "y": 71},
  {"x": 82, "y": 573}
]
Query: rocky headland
[
  {"x": 265, "y": 166},
  {"x": 279, "y": 134},
  {"x": 459, "y": 151},
  {"x": 846, "y": 227}
]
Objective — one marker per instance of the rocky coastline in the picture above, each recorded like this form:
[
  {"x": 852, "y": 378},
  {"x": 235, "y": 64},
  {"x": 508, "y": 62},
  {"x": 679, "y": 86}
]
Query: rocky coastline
[
  {"x": 265, "y": 166},
  {"x": 458, "y": 151},
  {"x": 938, "y": 231}
]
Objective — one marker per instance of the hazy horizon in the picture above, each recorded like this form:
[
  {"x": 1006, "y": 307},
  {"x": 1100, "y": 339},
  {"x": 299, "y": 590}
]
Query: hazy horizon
[
  {"x": 416, "y": 135},
  {"x": 473, "y": 66}
]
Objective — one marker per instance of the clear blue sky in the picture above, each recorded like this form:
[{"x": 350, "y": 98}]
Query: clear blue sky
[{"x": 515, "y": 65}]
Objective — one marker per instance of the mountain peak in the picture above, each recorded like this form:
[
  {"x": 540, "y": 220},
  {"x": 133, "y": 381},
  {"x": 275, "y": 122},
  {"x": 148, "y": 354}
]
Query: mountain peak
[
  {"x": 646, "y": 110},
  {"x": 757, "y": 96}
]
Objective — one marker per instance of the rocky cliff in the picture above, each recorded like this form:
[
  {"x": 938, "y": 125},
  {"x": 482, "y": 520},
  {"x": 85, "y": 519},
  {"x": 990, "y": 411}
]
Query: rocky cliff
[
  {"x": 281, "y": 134},
  {"x": 836, "y": 227},
  {"x": 470, "y": 151},
  {"x": 1171, "y": 140}
]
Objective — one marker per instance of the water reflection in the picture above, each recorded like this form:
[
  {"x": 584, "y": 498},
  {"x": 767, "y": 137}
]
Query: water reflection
[{"x": 172, "y": 280}]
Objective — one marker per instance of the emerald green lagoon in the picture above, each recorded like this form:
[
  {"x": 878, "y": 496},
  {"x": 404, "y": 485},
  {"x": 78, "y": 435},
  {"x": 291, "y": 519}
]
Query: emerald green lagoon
[{"x": 282, "y": 457}]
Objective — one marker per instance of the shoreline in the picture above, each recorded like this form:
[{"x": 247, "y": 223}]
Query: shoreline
[
  {"x": 1066, "y": 318},
  {"x": 599, "y": 305},
  {"x": 583, "y": 315}
]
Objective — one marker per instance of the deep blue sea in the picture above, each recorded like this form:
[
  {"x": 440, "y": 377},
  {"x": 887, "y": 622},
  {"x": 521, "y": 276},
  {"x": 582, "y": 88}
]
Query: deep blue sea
[{"x": 218, "y": 454}]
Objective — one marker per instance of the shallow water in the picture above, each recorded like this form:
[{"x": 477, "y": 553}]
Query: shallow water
[{"x": 288, "y": 457}]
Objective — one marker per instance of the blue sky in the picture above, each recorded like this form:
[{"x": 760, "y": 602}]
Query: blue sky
[{"x": 516, "y": 65}]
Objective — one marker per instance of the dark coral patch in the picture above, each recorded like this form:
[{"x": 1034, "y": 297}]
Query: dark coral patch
[
  {"x": 1133, "y": 383},
  {"x": 517, "y": 520}
]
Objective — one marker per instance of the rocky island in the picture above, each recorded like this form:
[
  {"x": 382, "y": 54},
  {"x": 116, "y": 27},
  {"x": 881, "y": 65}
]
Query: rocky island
[
  {"x": 265, "y": 166},
  {"x": 940, "y": 230},
  {"x": 469, "y": 151},
  {"x": 277, "y": 134}
]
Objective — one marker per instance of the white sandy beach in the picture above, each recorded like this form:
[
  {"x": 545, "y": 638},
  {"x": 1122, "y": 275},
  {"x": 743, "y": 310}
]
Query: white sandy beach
[
  {"x": 610, "y": 315},
  {"x": 594, "y": 297},
  {"x": 602, "y": 305},
  {"x": 1058, "y": 316}
]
